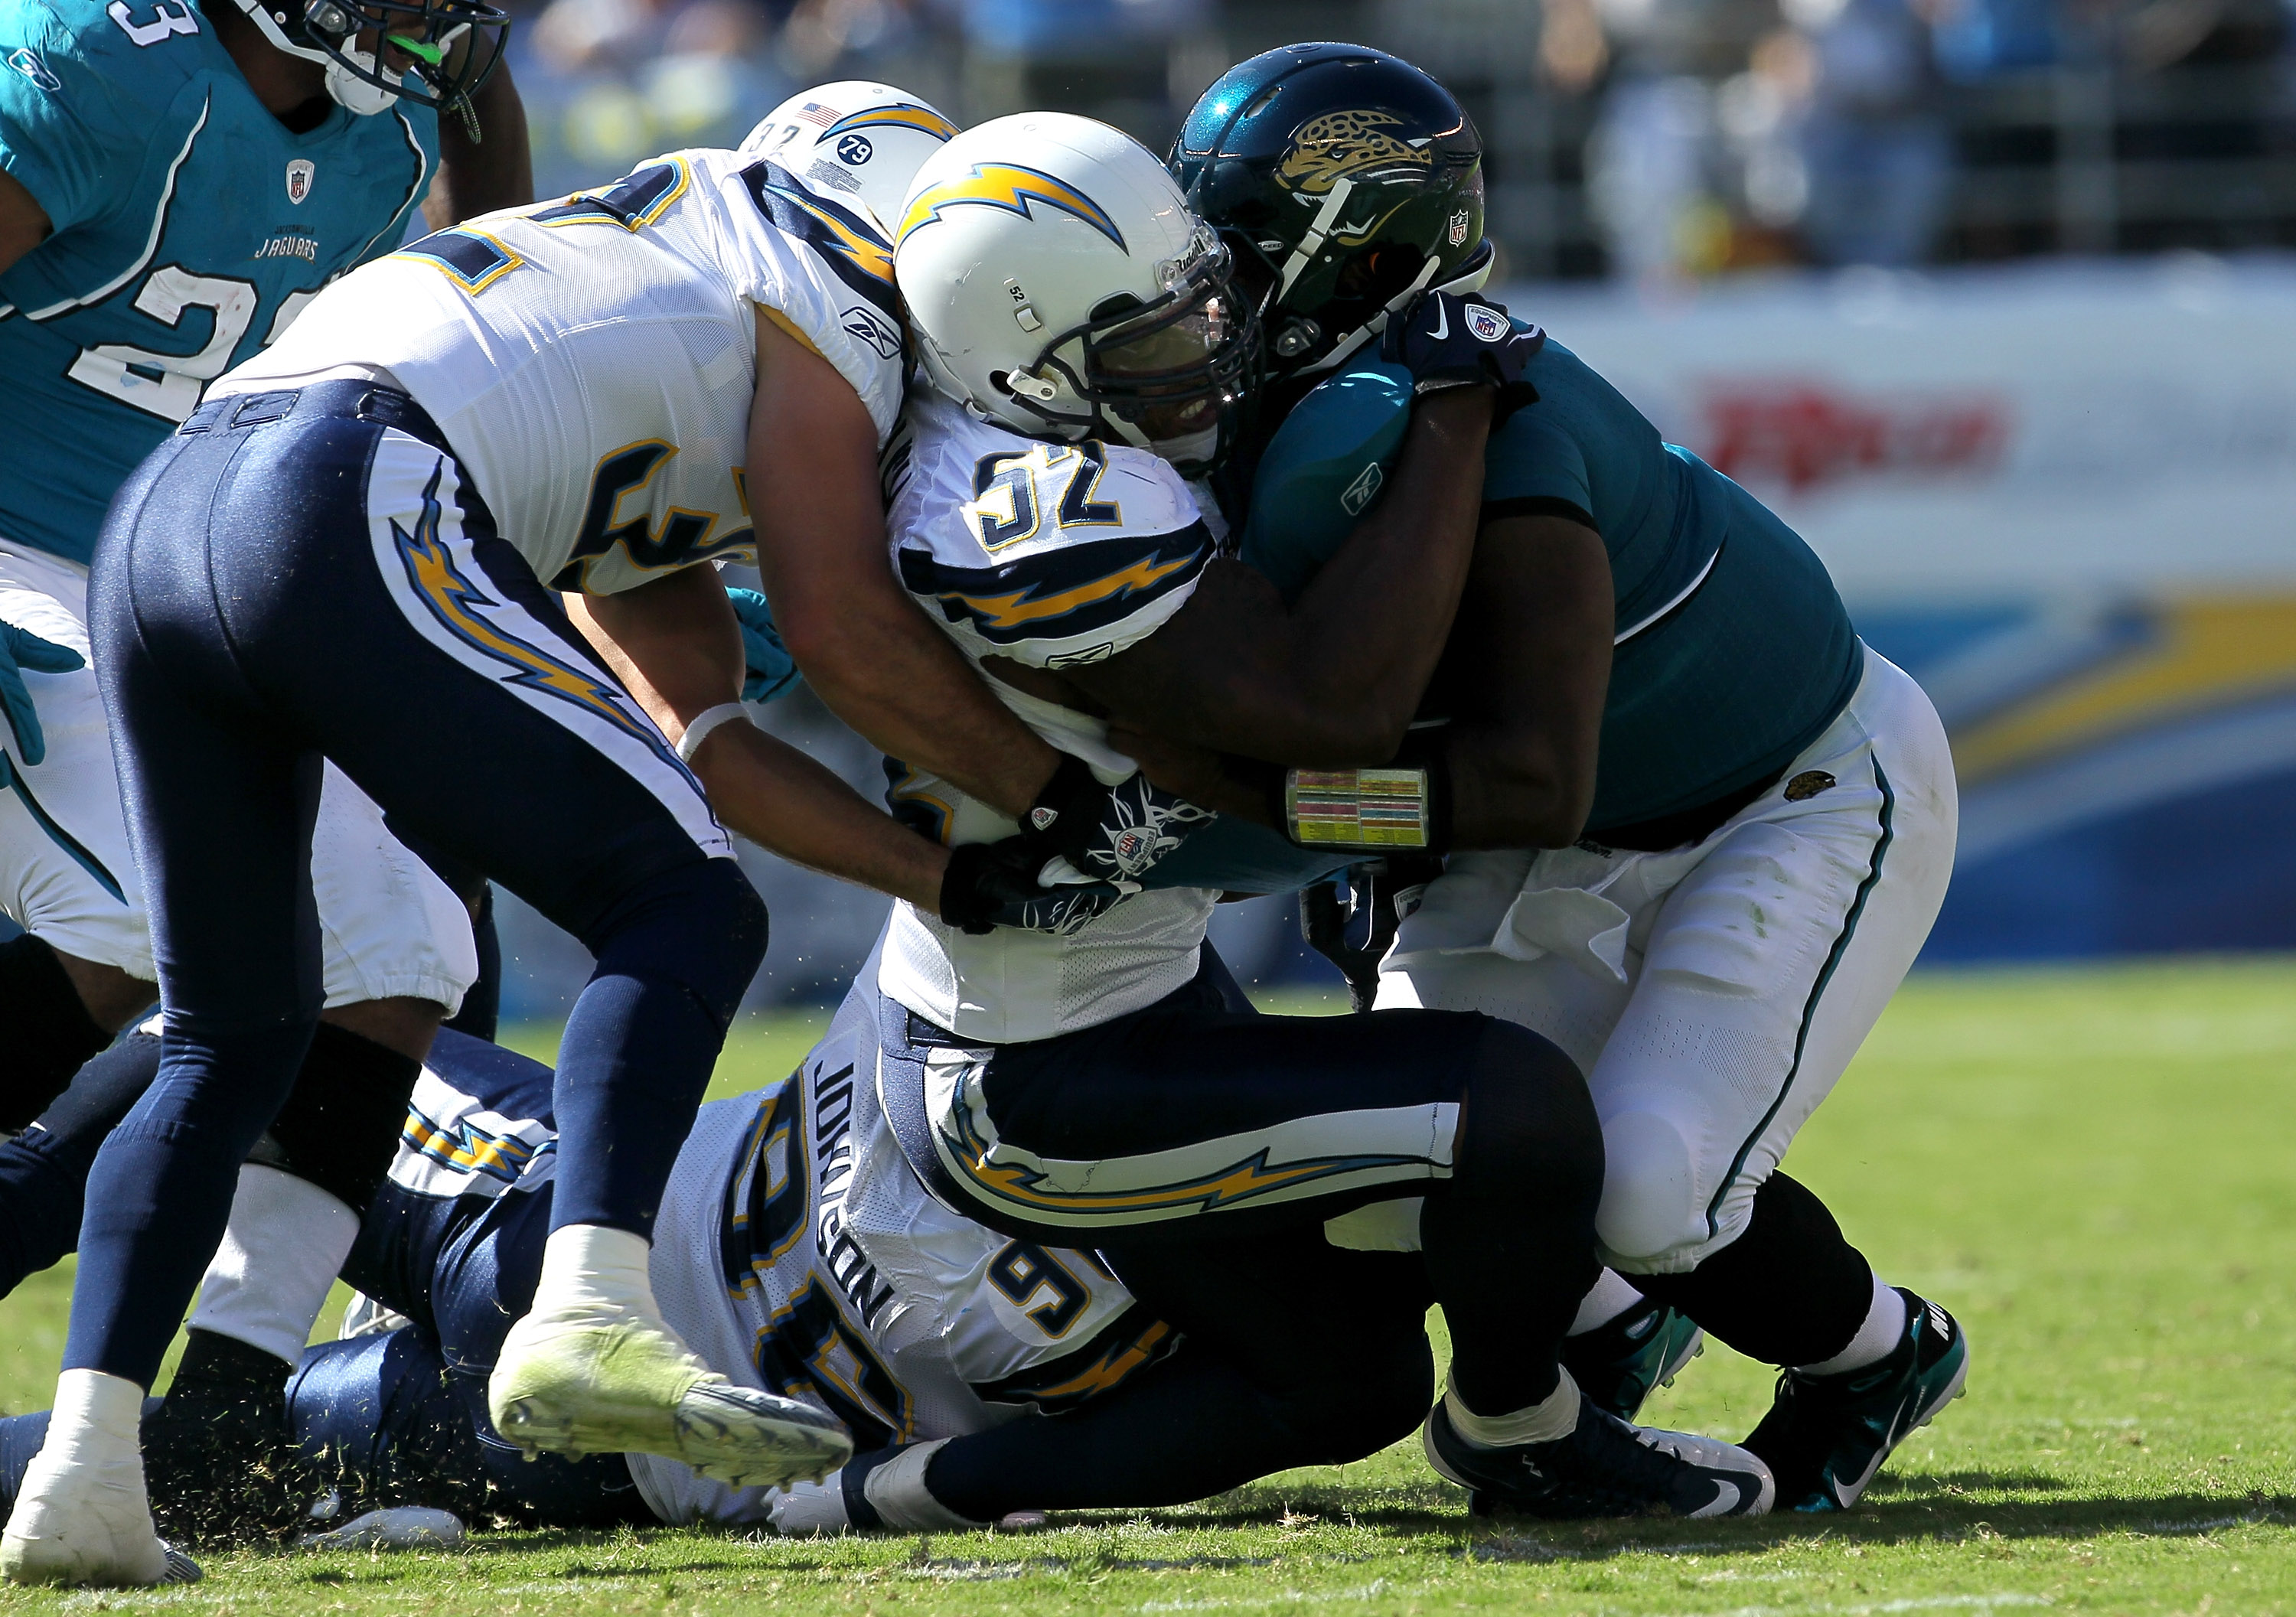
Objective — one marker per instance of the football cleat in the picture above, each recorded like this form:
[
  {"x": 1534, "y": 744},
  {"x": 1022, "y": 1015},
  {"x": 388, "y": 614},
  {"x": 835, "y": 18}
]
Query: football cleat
[
  {"x": 1826, "y": 1436},
  {"x": 76, "y": 1523},
  {"x": 596, "y": 1381},
  {"x": 220, "y": 1456},
  {"x": 1618, "y": 1365},
  {"x": 395, "y": 1527},
  {"x": 1604, "y": 1467}
]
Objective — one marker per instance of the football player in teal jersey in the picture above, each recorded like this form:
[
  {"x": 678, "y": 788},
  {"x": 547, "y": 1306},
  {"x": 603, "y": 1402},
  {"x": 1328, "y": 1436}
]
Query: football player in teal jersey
[
  {"x": 177, "y": 182},
  {"x": 1698, "y": 831}
]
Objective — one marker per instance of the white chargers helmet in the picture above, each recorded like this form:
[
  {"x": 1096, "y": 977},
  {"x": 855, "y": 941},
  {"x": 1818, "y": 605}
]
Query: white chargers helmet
[
  {"x": 854, "y": 139},
  {"x": 1058, "y": 284}
]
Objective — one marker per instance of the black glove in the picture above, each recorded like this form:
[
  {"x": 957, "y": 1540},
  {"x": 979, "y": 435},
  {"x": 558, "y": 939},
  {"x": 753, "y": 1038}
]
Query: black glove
[
  {"x": 1354, "y": 929},
  {"x": 993, "y": 885},
  {"x": 1446, "y": 340},
  {"x": 1105, "y": 833}
]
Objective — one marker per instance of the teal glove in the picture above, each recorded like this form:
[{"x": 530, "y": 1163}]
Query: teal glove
[
  {"x": 773, "y": 671},
  {"x": 21, "y": 649}
]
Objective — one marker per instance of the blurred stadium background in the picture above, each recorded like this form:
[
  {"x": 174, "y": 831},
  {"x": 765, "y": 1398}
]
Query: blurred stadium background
[{"x": 1989, "y": 296}]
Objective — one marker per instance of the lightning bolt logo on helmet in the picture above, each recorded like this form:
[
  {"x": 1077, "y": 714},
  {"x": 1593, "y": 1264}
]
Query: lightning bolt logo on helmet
[{"x": 1013, "y": 188}]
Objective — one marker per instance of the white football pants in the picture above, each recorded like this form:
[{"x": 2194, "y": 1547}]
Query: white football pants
[
  {"x": 1714, "y": 993},
  {"x": 387, "y": 926}
]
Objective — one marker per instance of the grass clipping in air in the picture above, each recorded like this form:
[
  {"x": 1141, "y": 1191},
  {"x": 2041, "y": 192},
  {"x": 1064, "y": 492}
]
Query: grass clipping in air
[{"x": 2092, "y": 1168}]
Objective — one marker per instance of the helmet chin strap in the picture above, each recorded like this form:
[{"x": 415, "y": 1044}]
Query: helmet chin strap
[
  {"x": 353, "y": 93},
  {"x": 1326, "y": 218}
]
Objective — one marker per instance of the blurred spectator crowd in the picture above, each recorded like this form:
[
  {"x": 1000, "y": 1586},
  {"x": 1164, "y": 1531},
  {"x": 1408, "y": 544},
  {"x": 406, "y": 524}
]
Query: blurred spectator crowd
[{"x": 1651, "y": 140}]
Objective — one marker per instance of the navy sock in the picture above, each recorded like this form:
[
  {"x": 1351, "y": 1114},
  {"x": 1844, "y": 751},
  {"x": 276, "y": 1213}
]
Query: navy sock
[
  {"x": 339, "y": 1128},
  {"x": 49, "y": 1031},
  {"x": 674, "y": 959},
  {"x": 44, "y": 1171},
  {"x": 160, "y": 1191}
]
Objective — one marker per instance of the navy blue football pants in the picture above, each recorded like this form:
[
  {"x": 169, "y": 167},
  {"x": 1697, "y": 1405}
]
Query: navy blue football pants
[{"x": 305, "y": 575}]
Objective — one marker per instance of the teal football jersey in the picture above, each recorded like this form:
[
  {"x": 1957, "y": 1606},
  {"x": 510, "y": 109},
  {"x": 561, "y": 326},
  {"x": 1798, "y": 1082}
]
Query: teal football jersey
[
  {"x": 1734, "y": 651},
  {"x": 190, "y": 227}
]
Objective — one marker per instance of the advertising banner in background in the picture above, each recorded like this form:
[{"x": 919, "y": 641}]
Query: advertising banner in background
[{"x": 2064, "y": 497}]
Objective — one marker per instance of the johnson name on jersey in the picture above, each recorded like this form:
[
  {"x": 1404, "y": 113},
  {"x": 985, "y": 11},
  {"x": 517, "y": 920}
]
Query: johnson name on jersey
[
  {"x": 190, "y": 228},
  {"x": 593, "y": 360},
  {"x": 1052, "y": 555}
]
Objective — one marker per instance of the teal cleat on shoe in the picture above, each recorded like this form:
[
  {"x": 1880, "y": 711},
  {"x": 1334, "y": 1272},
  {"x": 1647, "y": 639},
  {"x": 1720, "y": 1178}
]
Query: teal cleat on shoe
[
  {"x": 1826, "y": 1436},
  {"x": 1619, "y": 1365},
  {"x": 600, "y": 1382}
]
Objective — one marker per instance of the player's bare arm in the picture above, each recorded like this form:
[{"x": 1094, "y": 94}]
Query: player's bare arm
[
  {"x": 1333, "y": 682},
  {"x": 495, "y": 170},
  {"x": 1526, "y": 673},
  {"x": 878, "y": 662},
  {"x": 676, "y": 645},
  {"x": 23, "y": 222}
]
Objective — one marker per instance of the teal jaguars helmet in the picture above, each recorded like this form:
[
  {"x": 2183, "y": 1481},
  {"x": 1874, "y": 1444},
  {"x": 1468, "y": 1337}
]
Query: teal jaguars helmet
[{"x": 1345, "y": 181}]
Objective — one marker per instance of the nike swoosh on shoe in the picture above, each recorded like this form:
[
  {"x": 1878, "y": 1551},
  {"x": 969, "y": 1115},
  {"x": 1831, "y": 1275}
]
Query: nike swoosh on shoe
[{"x": 1726, "y": 1498}]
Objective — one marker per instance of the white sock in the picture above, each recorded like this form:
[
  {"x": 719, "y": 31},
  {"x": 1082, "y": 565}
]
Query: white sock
[
  {"x": 1541, "y": 1423},
  {"x": 285, "y": 1244},
  {"x": 1884, "y": 1327},
  {"x": 98, "y": 1419},
  {"x": 591, "y": 1267},
  {"x": 1609, "y": 1297},
  {"x": 896, "y": 1491}
]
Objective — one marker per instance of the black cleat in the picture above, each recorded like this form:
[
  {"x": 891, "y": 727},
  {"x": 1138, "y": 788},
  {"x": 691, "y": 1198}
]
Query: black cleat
[
  {"x": 1617, "y": 1365},
  {"x": 1604, "y": 1468},
  {"x": 220, "y": 1456},
  {"x": 1826, "y": 1436}
]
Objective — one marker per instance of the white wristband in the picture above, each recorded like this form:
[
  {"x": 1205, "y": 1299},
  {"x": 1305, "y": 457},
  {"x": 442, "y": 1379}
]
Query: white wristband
[{"x": 699, "y": 731}]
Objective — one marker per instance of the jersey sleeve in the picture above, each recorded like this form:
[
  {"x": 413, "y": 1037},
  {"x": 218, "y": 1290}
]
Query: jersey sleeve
[
  {"x": 1324, "y": 468},
  {"x": 826, "y": 277},
  {"x": 1055, "y": 555},
  {"x": 1534, "y": 460},
  {"x": 60, "y": 138}
]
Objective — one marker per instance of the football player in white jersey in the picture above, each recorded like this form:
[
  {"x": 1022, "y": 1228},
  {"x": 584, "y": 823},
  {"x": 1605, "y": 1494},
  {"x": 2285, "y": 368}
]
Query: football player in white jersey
[
  {"x": 1105, "y": 1085},
  {"x": 377, "y": 508},
  {"x": 797, "y": 1254}
]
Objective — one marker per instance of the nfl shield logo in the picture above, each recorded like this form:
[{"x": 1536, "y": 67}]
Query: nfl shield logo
[
  {"x": 1488, "y": 324},
  {"x": 1459, "y": 229},
  {"x": 299, "y": 174}
]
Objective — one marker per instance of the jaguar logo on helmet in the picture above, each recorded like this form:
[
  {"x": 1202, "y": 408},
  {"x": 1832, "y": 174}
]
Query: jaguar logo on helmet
[
  {"x": 1488, "y": 324},
  {"x": 1348, "y": 145},
  {"x": 1013, "y": 188}
]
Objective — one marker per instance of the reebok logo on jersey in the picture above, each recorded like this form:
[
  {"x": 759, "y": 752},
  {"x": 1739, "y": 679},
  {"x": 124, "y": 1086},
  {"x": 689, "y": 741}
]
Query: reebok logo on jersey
[
  {"x": 300, "y": 172},
  {"x": 1361, "y": 492},
  {"x": 875, "y": 331},
  {"x": 29, "y": 63}
]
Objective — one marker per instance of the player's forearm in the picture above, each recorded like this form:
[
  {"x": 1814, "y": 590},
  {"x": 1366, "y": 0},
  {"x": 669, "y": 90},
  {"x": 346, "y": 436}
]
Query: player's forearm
[
  {"x": 780, "y": 799},
  {"x": 497, "y": 171},
  {"x": 1371, "y": 626},
  {"x": 882, "y": 669},
  {"x": 1512, "y": 790}
]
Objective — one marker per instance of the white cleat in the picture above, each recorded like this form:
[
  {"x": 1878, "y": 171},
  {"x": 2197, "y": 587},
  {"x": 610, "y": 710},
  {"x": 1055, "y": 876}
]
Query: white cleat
[
  {"x": 398, "y": 1527},
  {"x": 596, "y": 1380},
  {"x": 87, "y": 1522}
]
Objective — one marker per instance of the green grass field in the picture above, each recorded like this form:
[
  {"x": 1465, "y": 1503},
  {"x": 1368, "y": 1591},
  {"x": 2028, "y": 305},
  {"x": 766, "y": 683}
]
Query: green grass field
[{"x": 2092, "y": 1168}]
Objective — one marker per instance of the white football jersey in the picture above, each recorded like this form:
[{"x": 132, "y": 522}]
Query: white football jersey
[
  {"x": 796, "y": 1251},
  {"x": 592, "y": 360},
  {"x": 1051, "y": 554}
]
